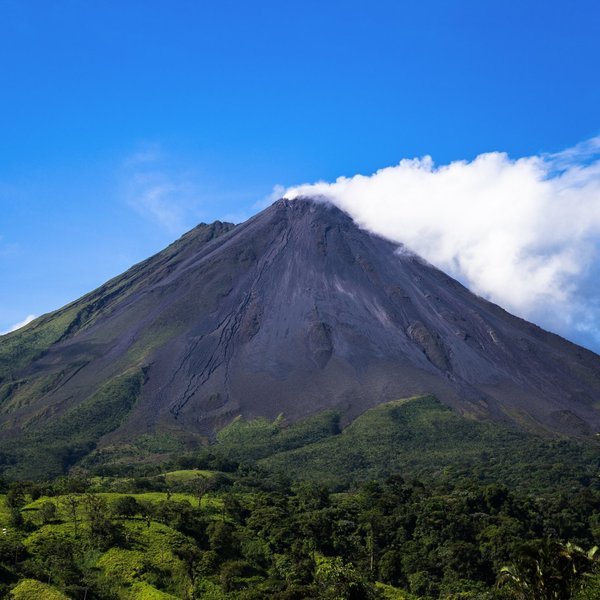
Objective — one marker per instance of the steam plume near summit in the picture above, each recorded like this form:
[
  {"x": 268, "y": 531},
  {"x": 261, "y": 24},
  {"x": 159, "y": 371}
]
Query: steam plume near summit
[{"x": 524, "y": 233}]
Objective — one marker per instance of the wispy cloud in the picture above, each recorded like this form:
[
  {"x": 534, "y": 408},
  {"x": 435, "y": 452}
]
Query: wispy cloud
[
  {"x": 159, "y": 192},
  {"x": 277, "y": 192},
  {"x": 161, "y": 198},
  {"x": 20, "y": 324},
  {"x": 244, "y": 214},
  {"x": 175, "y": 198},
  {"x": 149, "y": 152},
  {"x": 524, "y": 233}
]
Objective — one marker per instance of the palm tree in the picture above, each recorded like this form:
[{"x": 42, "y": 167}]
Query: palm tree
[{"x": 547, "y": 569}]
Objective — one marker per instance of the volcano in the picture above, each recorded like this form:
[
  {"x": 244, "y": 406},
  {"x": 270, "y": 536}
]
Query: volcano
[{"x": 293, "y": 312}]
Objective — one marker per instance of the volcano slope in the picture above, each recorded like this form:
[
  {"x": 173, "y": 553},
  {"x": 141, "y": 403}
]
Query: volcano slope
[{"x": 294, "y": 312}]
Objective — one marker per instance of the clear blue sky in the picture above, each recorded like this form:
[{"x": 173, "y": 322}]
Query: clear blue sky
[{"x": 111, "y": 111}]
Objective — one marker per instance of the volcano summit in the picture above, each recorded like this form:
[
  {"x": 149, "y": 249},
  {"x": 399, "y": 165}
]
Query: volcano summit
[{"x": 293, "y": 312}]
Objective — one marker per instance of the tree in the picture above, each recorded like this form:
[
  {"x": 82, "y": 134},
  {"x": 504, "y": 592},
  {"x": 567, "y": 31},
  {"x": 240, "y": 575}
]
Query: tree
[
  {"x": 221, "y": 539},
  {"x": 15, "y": 498},
  {"x": 336, "y": 580},
  {"x": 11, "y": 546},
  {"x": 201, "y": 485},
  {"x": 47, "y": 511},
  {"x": 53, "y": 556},
  {"x": 126, "y": 506},
  {"x": 102, "y": 532},
  {"x": 547, "y": 570},
  {"x": 71, "y": 505}
]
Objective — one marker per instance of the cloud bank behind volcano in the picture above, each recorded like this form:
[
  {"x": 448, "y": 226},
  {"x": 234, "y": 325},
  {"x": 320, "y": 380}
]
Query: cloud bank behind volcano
[{"x": 521, "y": 232}]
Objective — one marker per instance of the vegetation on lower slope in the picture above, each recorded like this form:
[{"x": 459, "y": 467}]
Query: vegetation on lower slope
[
  {"x": 423, "y": 437},
  {"x": 51, "y": 449},
  {"x": 419, "y": 437},
  {"x": 410, "y": 501},
  {"x": 30, "y": 589},
  {"x": 259, "y": 438},
  {"x": 249, "y": 536}
]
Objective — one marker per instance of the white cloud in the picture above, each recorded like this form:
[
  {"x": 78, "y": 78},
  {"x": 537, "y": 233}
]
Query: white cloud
[
  {"x": 160, "y": 198},
  {"x": 277, "y": 192},
  {"x": 20, "y": 324},
  {"x": 523, "y": 232}
]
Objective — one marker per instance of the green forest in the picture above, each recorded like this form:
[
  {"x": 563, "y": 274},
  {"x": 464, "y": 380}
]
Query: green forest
[
  {"x": 243, "y": 534},
  {"x": 408, "y": 502}
]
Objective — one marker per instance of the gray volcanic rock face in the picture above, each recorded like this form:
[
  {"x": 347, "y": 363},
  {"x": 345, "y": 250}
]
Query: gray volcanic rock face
[{"x": 296, "y": 311}]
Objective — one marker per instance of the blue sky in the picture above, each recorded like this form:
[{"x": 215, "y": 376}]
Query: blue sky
[{"x": 124, "y": 123}]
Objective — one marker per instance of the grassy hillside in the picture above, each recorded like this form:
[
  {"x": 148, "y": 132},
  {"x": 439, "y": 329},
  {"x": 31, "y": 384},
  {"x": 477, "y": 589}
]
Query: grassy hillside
[
  {"x": 252, "y": 536},
  {"x": 418, "y": 437},
  {"x": 50, "y": 449}
]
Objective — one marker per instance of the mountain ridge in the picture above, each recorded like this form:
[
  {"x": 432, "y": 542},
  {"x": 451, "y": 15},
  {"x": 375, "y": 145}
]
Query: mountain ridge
[{"x": 295, "y": 311}]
